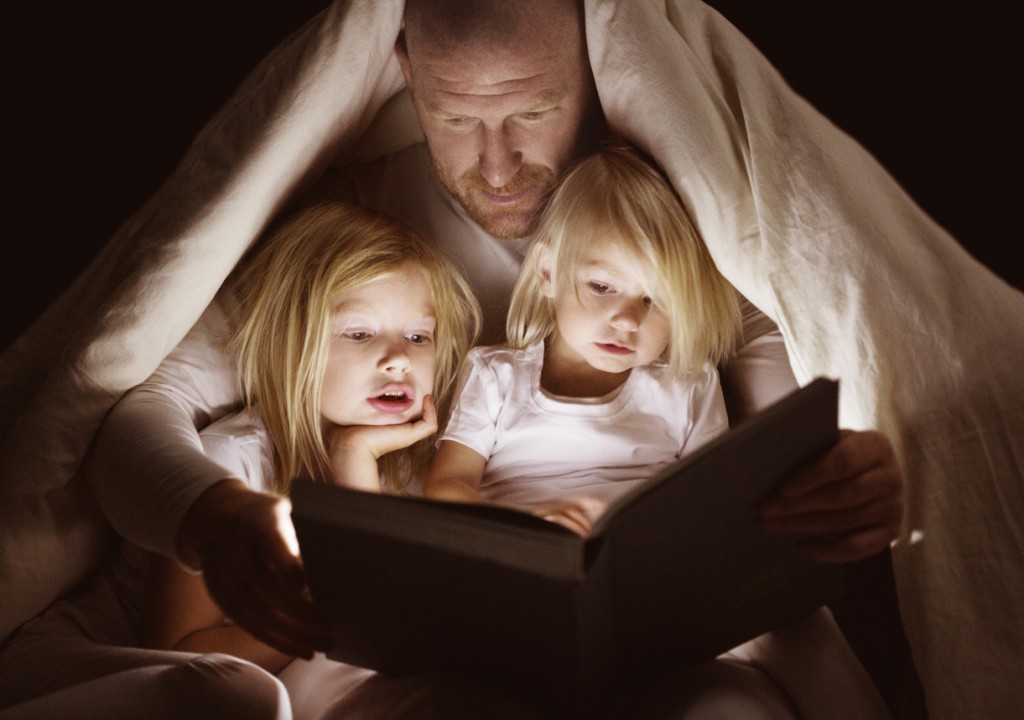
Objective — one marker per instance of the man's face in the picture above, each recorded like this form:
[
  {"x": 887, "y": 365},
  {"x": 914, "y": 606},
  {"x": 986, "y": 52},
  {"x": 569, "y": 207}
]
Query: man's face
[{"x": 501, "y": 124}]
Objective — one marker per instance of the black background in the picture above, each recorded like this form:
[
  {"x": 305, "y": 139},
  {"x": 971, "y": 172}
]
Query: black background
[{"x": 101, "y": 100}]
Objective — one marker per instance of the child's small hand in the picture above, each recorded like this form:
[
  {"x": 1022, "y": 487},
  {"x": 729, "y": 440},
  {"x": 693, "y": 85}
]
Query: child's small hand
[
  {"x": 578, "y": 513},
  {"x": 379, "y": 440},
  {"x": 354, "y": 449}
]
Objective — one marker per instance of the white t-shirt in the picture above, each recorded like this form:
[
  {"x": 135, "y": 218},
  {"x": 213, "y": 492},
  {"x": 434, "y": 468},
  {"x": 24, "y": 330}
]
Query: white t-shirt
[{"x": 541, "y": 447}]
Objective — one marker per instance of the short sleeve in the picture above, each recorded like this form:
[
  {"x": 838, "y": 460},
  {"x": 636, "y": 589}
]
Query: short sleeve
[
  {"x": 474, "y": 418},
  {"x": 708, "y": 418}
]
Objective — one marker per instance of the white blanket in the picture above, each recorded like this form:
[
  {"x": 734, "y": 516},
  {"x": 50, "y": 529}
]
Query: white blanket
[{"x": 864, "y": 286}]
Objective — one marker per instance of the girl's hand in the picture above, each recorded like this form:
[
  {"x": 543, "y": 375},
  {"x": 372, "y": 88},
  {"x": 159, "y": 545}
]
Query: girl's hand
[
  {"x": 354, "y": 449},
  {"x": 578, "y": 513}
]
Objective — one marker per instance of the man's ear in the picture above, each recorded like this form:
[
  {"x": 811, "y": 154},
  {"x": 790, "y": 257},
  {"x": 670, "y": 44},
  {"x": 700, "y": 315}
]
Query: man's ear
[{"x": 542, "y": 266}]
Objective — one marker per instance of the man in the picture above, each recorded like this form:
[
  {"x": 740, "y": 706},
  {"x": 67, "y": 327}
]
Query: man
[
  {"x": 498, "y": 138},
  {"x": 505, "y": 99}
]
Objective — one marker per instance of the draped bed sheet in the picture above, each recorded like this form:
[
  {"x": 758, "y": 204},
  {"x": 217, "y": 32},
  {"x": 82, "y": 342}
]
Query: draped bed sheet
[{"x": 864, "y": 286}]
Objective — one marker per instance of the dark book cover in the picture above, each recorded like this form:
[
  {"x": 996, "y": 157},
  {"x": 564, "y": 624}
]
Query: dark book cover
[{"x": 677, "y": 570}]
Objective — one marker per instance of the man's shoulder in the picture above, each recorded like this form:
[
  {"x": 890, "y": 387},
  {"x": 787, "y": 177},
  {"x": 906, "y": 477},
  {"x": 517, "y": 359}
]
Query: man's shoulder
[{"x": 408, "y": 170}]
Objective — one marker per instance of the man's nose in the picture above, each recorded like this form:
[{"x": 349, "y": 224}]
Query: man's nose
[{"x": 499, "y": 160}]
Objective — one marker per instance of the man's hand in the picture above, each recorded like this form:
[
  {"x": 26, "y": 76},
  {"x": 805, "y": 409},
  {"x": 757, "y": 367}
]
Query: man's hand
[
  {"x": 845, "y": 506},
  {"x": 244, "y": 543}
]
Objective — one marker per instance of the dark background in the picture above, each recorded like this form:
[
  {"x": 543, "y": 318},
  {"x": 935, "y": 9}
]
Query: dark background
[{"x": 102, "y": 99}]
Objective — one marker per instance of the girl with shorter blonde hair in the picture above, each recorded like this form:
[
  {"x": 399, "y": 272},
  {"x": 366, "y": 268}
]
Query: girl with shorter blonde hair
[
  {"x": 619, "y": 193},
  {"x": 350, "y": 330},
  {"x": 617, "y": 323}
]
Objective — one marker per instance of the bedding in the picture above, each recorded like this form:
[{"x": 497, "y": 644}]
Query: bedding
[{"x": 864, "y": 286}]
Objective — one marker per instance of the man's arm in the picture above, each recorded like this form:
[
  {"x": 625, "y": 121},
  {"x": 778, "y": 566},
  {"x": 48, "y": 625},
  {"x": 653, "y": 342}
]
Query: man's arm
[
  {"x": 150, "y": 475},
  {"x": 146, "y": 465}
]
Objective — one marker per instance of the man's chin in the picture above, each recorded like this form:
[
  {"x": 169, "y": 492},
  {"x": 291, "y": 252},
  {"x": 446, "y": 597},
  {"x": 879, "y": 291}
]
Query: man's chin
[
  {"x": 508, "y": 228},
  {"x": 502, "y": 223}
]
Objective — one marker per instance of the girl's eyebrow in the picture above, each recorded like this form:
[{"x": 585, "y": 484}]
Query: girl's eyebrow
[{"x": 596, "y": 264}]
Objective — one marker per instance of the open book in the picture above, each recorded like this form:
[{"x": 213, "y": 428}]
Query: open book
[{"x": 676, "y": 571}]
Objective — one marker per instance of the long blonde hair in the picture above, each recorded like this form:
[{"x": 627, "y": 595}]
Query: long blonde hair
[
  {"x": 617, "y": 192},
  {"x": 285, "y": 292}
]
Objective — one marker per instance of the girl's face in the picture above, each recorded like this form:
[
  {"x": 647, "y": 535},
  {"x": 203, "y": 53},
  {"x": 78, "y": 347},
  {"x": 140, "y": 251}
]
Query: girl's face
[
  {"x": 606, "y": 316},
  {"x": 381, "y": 358}
]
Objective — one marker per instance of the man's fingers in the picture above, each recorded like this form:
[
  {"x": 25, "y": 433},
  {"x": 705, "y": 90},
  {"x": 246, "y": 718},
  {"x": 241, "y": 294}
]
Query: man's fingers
[
  {"x": 855, "y": 454},
  {"x": 880, "y": 512},
  {"x": 877, "y": 489},
  {"x": 849, "y": 548}
]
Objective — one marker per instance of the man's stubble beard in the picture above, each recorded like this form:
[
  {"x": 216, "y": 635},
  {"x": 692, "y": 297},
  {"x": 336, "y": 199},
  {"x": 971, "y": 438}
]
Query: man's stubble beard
[{"x": 505, "y": 224}]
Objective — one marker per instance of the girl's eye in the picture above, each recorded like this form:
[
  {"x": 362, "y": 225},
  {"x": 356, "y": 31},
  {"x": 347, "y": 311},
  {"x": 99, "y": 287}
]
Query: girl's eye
[
  {"x": 419, "y": 338},
  {"x": 356, "y": 335},
  {"x": 599, "y": 287},
  {"x": 648, "y": 301}
]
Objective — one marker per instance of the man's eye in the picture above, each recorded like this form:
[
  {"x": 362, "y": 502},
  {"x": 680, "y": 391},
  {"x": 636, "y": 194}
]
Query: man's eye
[{"x": 533, "y": 115}]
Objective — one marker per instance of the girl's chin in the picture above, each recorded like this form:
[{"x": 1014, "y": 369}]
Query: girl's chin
[
  {"x": 377, "y": 420},
  {"x": 395, "y": 418}
]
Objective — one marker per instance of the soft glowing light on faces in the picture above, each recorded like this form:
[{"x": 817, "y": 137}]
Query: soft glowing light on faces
[
  {"x": 504, "y": 120},
  {"x": 507, "y": 212},
  {"x": 607, "y": 316},
  {"x": 382, "y": 355}
]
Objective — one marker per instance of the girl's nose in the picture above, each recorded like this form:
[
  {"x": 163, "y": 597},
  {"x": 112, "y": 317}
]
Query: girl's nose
[
  {"x": 395, "y": 361},
  {"x": 629, "y": 314}
]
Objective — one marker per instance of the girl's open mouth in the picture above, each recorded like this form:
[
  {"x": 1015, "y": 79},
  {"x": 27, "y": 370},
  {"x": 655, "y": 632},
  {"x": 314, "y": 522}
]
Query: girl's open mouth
[{"x": 393, "y": 399}]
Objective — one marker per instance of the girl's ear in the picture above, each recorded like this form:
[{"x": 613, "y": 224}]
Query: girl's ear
[{"x": 542, "y": 266}]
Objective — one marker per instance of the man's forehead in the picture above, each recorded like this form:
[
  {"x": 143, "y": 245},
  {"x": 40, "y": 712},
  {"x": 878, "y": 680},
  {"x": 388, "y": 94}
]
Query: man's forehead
[
  {"x": 537, "y": 88},
  {"x": 499, "y": 71}
]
